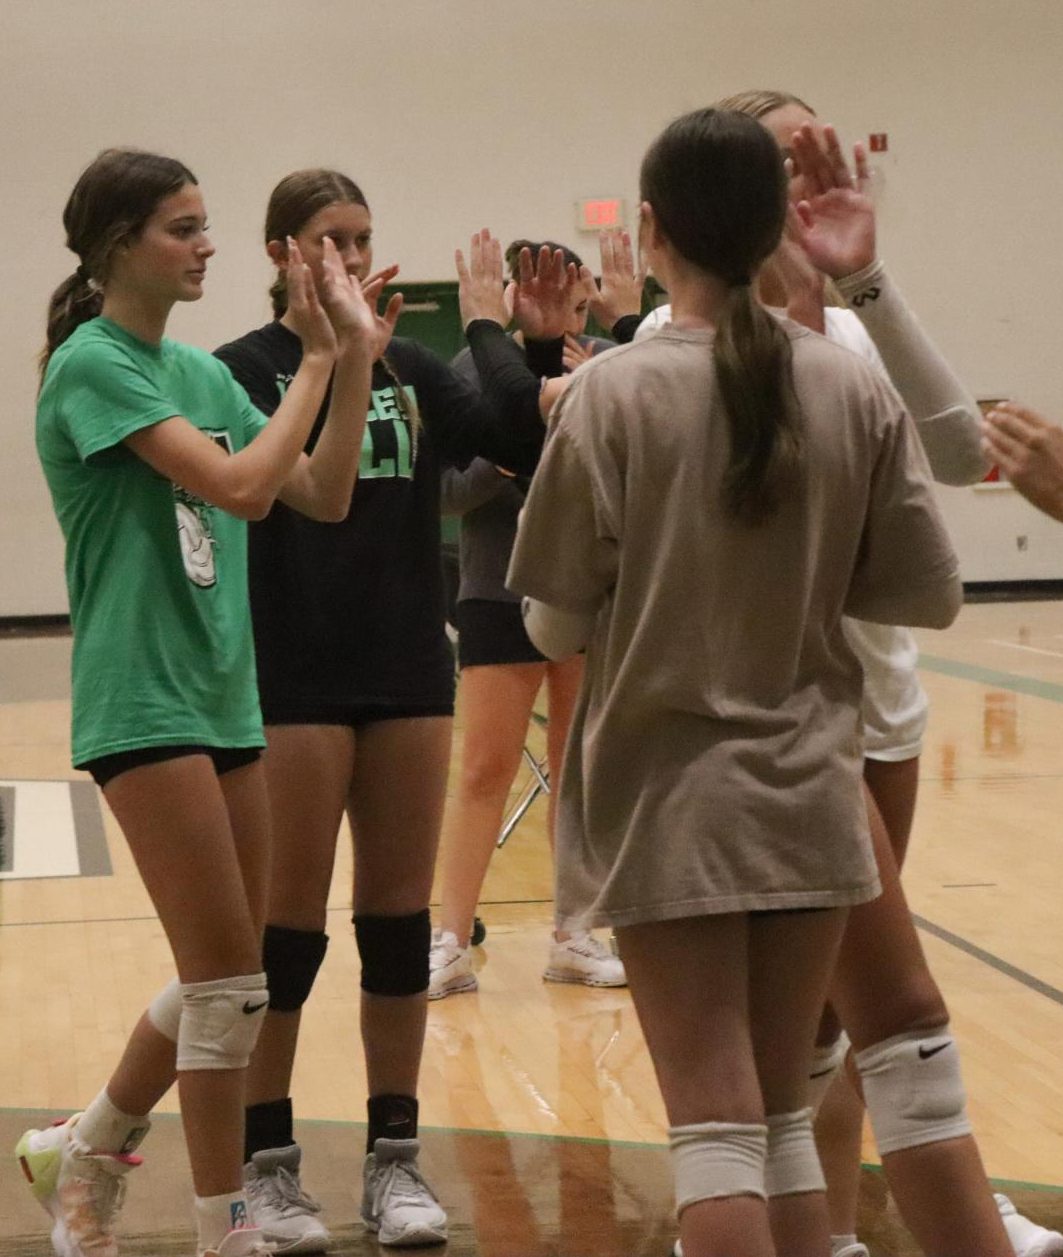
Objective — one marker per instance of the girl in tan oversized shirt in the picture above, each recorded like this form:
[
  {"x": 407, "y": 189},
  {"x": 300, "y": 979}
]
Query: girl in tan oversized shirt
[{"x": 712, "y": 778}]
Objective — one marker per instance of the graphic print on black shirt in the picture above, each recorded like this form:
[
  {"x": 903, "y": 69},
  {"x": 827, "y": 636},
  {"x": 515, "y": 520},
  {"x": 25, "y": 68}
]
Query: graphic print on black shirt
[
  {"x": 387, "y": 446},
  {"x": 353, "y": 613}
]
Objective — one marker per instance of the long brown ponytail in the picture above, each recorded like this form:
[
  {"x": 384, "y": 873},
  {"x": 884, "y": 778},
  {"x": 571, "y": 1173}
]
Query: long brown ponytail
[
  {"x": 716, "y": 183},
  {"x": 112, "y": 200}
]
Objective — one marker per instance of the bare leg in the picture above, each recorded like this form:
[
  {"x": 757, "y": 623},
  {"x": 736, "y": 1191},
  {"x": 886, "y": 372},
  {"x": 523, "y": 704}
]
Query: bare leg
[
  {"x": 496, "y": 706},
  {"x": 894, "y": 787},
  {"x": 882, "y": 987},
  {"x": 792, "y": 957},
  {"x": 197, "y": 859},
  {"x": 396, "y": 809},
  {"x": 689, "y": 981},
  {"x": 839, "y": 1126},
  {"x": 308, "y": 773},
  {"x": 563, "y": 681}
]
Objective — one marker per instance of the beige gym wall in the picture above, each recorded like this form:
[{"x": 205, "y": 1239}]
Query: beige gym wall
[{"x": 454, "y": 114}]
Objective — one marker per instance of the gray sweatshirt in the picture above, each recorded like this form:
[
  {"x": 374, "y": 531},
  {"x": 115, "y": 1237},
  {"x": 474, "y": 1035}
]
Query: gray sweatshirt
[{"x": 488, "y": 503}]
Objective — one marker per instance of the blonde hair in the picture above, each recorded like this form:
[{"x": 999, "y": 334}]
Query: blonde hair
[{"x": 758, "y": 103}]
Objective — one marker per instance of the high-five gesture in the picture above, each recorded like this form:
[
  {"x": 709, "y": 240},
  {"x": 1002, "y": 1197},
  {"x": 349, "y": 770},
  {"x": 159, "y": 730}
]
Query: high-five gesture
[
  {"x": 384, "y": 323},
  {"x": 622, "y": 280},
  {"x": 353, "y": 317},
  {"x": 1029, "y": 450},
  {"x": 481, "y": 289},
  {"x": 542, "y": 300},
  {"x": 835, "y": 219}
]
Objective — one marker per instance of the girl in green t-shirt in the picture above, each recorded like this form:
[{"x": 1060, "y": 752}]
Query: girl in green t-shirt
[{"x": 155, "y": 458}]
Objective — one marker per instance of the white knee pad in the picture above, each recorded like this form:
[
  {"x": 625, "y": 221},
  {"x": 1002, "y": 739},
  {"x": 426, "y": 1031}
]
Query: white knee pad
[
  {"x": 792, "y": 1164},
  {"x": 826, "y": 1061},
  {"x": 164, "y": 1011},
  {"x": 220, "y": 1021},
  {"x": 713, "y": 1159},
  {"x": 913, "y": 1089}
]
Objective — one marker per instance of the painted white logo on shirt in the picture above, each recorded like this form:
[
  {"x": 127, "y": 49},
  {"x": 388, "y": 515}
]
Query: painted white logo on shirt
[{"x": 194, "y": 527}]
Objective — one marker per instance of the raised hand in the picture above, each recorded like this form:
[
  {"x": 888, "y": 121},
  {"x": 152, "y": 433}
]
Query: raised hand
[
  {"x": 622, "y": 280},
  {"x": 542, "y": 301},
  {"x": 481, "y": 290},
  {"x": 353, "y": 318},
  {"x": 834, "y": 219},
  {"x": 384, "y": 323},
  {"x": 307, "y": 314},
  {"x": 1029, "y": 451},
  {"x": 789, "y": 271}
]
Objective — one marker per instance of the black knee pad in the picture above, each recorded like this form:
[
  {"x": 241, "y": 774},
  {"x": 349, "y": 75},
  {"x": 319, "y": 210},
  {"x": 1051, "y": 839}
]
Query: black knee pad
[
  {"x": 291, "y": 959},
  {"x": 394, "y": 952}
]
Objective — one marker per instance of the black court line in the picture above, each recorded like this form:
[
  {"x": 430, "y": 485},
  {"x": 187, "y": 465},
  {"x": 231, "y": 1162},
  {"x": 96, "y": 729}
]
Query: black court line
[
  {"x": 7, "y": 828},
  {"x": 987, "y": 958},
  {"x": 94, "y": 859}
]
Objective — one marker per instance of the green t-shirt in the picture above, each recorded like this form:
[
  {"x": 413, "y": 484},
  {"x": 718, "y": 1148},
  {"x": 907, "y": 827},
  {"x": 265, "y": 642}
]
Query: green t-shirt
[{"x": 157, "y": 578}]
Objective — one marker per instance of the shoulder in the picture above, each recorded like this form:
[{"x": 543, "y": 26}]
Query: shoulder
[
  {"x": 410, "y": 358},
  {"x": 655, "y": 319},
  {"x": 844, "y": 328},
  {"x": 264, "y": 346},
  {"x": 842, "y": 349}
]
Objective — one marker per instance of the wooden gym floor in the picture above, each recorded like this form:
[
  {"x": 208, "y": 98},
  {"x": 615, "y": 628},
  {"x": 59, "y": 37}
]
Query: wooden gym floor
[{"x": 542, "y": 1124}]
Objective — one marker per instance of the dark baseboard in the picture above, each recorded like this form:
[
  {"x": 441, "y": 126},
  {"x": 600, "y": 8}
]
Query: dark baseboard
[
  {"x": 1012, "y": 590},
  {"x": 35, "y": 625}
]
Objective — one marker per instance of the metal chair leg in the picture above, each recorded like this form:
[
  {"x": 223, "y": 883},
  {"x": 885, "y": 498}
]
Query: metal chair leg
[{"x": 539, "y": 784}]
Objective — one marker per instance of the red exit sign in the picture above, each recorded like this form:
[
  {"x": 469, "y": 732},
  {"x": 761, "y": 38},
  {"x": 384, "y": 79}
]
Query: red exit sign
[{"x": 599, "y": 214}]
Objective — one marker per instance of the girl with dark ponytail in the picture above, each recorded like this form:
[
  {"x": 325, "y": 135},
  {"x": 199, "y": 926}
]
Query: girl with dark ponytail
[
  {"x": 356, "y": 678},
  {"x": 155, "y": 459},
  {"x": 709, "y": 503}
]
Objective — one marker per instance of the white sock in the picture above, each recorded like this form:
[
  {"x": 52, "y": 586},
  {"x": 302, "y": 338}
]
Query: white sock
[
  {"x": 841, "y": 1241},
  {"x": 106, "y": 1128},
  {"x": 216, "y": 1216}
]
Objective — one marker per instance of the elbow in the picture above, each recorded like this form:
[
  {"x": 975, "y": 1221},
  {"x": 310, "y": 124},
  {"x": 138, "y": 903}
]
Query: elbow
[
  {"x": 972, "y": 470},
  {"x": 939, "y": 610},
  {"x": 251, "y": 507},
  {"x": 951, "y": 605},
  {"x": 330, "y": 512}
]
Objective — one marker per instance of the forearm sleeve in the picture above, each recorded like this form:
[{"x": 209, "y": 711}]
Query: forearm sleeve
[{"x": 946, "y": 415}]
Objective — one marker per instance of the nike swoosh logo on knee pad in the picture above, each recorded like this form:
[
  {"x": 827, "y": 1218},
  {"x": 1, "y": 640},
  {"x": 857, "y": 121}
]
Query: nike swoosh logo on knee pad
[{"x": 926, "y": 1053}]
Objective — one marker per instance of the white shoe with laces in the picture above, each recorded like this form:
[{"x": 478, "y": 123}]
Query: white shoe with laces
[
  {"x": 1028, "y": 1239},
  {"x": 582, "y": 958},
  {"x": 449, "y": 966},
  {"x": 397, "y": 1202},
  {"x": 81, "y": 1189},
  {"x": 286, "y": 1215}
]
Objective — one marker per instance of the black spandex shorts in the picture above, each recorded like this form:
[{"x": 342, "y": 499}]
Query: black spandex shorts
[
  {"x": 353, "y": 715},
  {"x": 493, "y": 632},
  {"x": 225, "y": 759}
]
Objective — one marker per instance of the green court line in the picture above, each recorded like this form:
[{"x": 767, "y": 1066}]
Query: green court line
[{"x": 990, "y": 676}]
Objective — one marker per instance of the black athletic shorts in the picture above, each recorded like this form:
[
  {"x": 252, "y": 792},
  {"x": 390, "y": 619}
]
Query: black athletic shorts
[
  {"x": 493, "y": 632},
  {"x": 353, "y": 715},
  {"x": 225, "y": 759}
]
